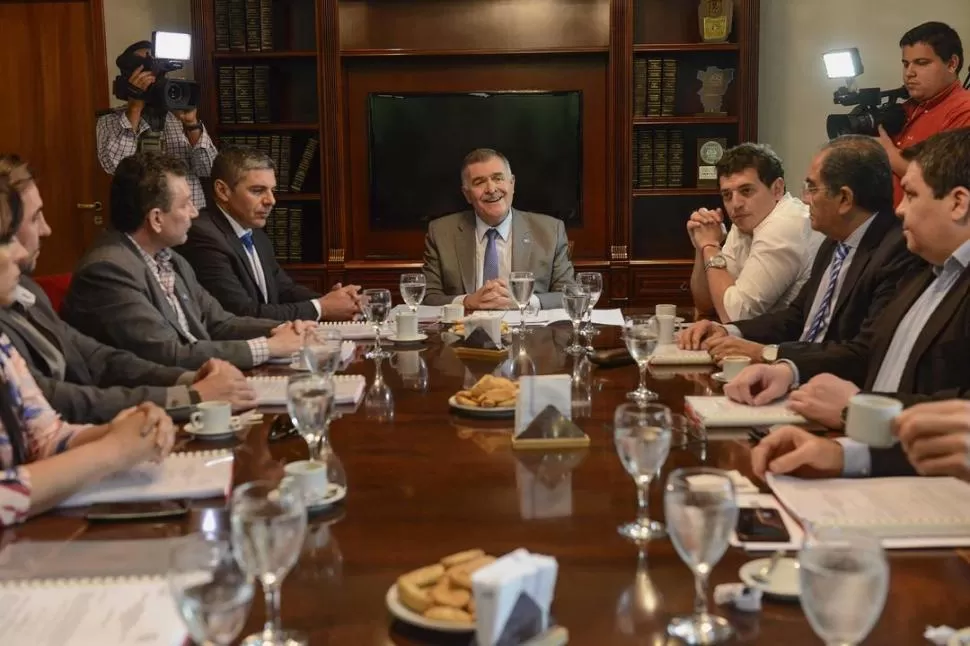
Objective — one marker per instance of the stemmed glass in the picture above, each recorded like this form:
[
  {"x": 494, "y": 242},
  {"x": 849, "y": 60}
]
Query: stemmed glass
[
  {"x": 701, "y": 510},
  {"x": 641, "y": 434},
  {"x": 844, "y": 579},
  {"x": 592, "y": 281},
  {"x": 413, "y": 287},
  {"x": 210, "y": 591},
  {"x": 521, "y": 284},
  {"x": 640, "y": 336},
  {"x": 575, "y": 300},
  {"x": 518, "y": 363},
  {"x": 269, "y": 524},
  {"x": 379, "y": 399},
  {"x": 377, "y": 306},
  {"x": 310, "y": 399},
  {"x": 321, "y": 349}
]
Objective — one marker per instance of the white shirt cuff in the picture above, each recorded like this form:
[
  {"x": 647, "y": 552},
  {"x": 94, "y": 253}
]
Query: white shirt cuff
[
  {"x": 316, "y": 305},
  {"x": 734, "y": 331},
  {"x": 856, "y": 459},
  {"x": 796, "y": 380}
]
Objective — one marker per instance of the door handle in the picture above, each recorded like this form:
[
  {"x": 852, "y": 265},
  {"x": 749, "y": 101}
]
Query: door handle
[{"x": 94, "y": 206}]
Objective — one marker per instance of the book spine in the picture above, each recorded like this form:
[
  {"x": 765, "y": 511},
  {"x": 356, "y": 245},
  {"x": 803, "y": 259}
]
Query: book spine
[
  {"x": 221, "y": 21},
  {"x": 266, "y": 25},
  {"x": 281, "y": 247},
  {"x": 654, "y": 76},
  {"x": 227, "y": 94},
  {"x": 660, "y": 157},
  {"x": 237, "y": 25},
  {"x": 286, "y": 154},
  {"x": 244, "y": 94},
  {"x": 639, "y": 87},
  {"x": 261, "y": 94},
  {"x": 645, "y": 150},
  {"x": 305, "y": 160},
  {"x": 668, "y": 92},
  {"x": 252, "y": 25},
  {"x": 295, "y": 233},
  {"x": 675, "y": 164}
]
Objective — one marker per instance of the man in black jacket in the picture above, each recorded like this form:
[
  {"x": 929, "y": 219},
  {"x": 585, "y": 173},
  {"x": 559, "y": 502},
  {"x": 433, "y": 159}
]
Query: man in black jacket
[{"x": 233, "y": 257}]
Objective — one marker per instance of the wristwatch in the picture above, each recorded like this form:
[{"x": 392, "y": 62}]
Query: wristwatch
[
  {"x": 717, "y": 261},
  {"x": 770, "y": 353}
]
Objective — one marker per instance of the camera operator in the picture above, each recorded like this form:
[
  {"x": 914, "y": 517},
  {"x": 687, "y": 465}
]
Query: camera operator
[
  {"x": 932, "y": 56},
  {"x": 123, "y": 132}
]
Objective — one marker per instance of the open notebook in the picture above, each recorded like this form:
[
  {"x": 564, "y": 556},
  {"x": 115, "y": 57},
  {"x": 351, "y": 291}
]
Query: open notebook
[
  {"x": 671, "y": 355},
  {"x": 198, "y": 474},
  {"x": 353, "y": 330},
  {"x": 903, "y": 512},
  {"x": 271, "y": 391},
  {"x": 718, "y": 411},
  {"x": 121, "y": 611}
]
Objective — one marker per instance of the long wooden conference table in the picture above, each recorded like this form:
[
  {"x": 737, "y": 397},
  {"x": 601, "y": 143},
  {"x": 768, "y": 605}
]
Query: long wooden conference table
[{"x": 428, "y": 483}]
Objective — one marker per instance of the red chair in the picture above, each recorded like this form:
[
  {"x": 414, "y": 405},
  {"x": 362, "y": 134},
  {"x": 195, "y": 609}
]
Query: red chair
[{"x": 55, "y": 287}]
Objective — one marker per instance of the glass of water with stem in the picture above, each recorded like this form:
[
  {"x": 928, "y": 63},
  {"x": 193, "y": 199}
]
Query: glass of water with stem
[
  {"x": 575, "y": 300},
  {"x": 521, "y": 284},
  {"x": 593, "y": 281},
  {"x": 701, "y": 511},
  {"x": 321, "y": 349},
  {"x": 844, "y": 578},
  {"x": 377, "y": 306},
  {"x": 640, "y": 336},
  {"x": 642, "y": 434},
  {"x": 413, "y": 288},
  {"x": 310, "y": 400},
  {"x": 212, "y": 594},
  {"x": 269, "y": 524}
]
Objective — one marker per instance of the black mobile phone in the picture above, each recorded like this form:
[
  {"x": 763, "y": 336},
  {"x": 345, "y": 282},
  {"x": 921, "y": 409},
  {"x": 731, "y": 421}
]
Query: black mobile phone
[
  {"x": 117, "y": 511},
  {"x": 611, "y": 358},
  {"x": 761, "y": 525}
]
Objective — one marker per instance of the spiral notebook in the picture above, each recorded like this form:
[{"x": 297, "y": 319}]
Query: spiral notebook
[
  {"x": 196, "y": 474},
  {"x": 671, "y": 355},
  {"x": 271, "y": 391},
  {"x": 903, "y": 512},
  {"x": 354, "y": 330},
  {"x": 121, "y": 611},
  {"x": 718, "y": 411}
]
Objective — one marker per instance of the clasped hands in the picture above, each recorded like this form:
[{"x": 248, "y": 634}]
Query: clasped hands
[
  {"x": 141, "y": 433},
  {"x": 706, "y": 227},
  {"x": 493, "y": 295}
]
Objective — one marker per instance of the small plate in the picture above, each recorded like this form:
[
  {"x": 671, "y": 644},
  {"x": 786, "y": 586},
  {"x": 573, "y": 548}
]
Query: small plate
[
  {"x": 335, "y": 493},
  {"x": 405, "y": 614},
  {"x": 393, "y": 339},
  {"x": 783, "y": 582},
  {"x": 719, "y": 376},
  {"x": 200, "y": 434},
  {"x": 504, "y": 412}
]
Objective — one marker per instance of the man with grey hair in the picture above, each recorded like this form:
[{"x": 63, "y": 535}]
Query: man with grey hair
[
  {"x": 469, "y": 256},
  {"x": 233, "y": 257}
]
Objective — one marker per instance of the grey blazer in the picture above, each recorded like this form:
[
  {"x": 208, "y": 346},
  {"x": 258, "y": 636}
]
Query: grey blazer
[
  {"x": 115, "y": 298},
  {"x": 538, "y": 245}
]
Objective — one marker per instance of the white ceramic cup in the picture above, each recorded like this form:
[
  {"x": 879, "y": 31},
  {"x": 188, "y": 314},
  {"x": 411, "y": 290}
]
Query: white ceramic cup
[
  {"x": 311, "y": 475},
  {"x": 407, "y": 325},
  {"x": 452, "y": 312},
  {"x": 666, "y": 310},
  {"x": 665, "y": 329},
  {"x": 870, "y": 419},
  {"x": 732, "y": 365},
  {"x": 212, "y": 417},
  {"x": 407, "y": 363}
]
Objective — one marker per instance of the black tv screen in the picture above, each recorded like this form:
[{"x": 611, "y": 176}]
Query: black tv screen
[{"x": 418, "y": 142}]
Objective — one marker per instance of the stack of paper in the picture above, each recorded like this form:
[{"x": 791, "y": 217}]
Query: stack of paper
[
  {"x": 671, "y": 355},
  {"x": 271, "y": 391},
  {"x": 720, "y": 411}
]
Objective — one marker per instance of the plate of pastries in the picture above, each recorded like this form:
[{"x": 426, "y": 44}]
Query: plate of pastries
[
  {"x": 439, "y": 596},
  {"x": 491, "y": 396}
]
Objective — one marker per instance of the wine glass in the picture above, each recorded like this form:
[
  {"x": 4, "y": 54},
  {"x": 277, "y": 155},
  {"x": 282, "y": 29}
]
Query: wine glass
[
  {"x": 268, "y": 528},
  {"x": 518, "y": 363},
  {"x": 322, "y": 349},
  {"x": 521, "y": 284},
  {"x": 575, "y": 300},
  {"x": 844, "y": 578},
  {"x": 310, "y": 399},
  {"x": 210, "y": 591},
  {"x": 640, "y": 336},
  {"x": 593, "y": 281},
  {"x": 377, "y": 306},
  {"x": 379, "y": 399},
  {"x": 701, "y": 510},
  {"x": 641, "y": 434},
  {"x": 413, "y": 287},
  {"x": 581, "y": 387}
]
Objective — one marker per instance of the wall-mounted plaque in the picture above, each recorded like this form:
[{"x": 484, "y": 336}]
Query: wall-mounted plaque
[
  {"x": 714, "y": 84},
  {"x": 709, "y": 152},
  {"x": 714, "y": 20}
]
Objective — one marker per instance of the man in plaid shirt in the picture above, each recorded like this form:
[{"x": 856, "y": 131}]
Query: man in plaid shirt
[{"x": 182, "y": 134}]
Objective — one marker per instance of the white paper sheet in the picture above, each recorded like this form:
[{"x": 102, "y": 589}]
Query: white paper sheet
[
  {"x": 721, "y": 411},
  {"x": 271, "y": 390},
  {"x": 426, "y": 313},
  {"x": 608, "y": 317}
]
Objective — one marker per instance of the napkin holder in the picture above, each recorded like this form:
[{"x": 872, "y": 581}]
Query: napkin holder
[
  {"x": 524, "y": 627},
  {"x": 551, "y": 430},
  {"x": 478, "y": 345}
]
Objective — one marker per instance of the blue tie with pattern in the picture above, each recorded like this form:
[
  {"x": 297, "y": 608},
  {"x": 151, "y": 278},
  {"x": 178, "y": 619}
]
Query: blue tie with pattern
[
  {"x": 247, "y": 240},
  {"x": 841, "y": 251},
  {"x": 490, "y": 266}
]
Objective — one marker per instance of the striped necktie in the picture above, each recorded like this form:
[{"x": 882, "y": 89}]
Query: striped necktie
[
  {"x": 490, "y": 265},
  {"x": 822, "y": 315}
]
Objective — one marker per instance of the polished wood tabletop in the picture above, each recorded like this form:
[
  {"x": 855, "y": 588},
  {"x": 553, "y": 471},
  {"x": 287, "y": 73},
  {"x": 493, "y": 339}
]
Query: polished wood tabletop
[{"x": 426, "y": 482}]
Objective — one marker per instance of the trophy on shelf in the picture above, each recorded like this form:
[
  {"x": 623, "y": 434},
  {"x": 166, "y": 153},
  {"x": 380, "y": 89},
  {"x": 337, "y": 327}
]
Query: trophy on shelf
[
  {"x": 709, "y": 152},
  {"x": 714, "y": 83},
  {"x": 714, "y": 20}
]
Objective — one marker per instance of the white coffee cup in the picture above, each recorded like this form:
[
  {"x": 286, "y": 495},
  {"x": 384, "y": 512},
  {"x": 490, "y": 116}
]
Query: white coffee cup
[
  {"x": 311, "y": 475},
  {"x": 732, "y": 365},
  {"x": 453, "y": 312},
  {"x": 407, "y": 325},
  {"x": 870, "y": 419},
  {"x": 665, "y": 329},
  {"x": 666, "y": 310},
  {"x": 212, "y": 417}
]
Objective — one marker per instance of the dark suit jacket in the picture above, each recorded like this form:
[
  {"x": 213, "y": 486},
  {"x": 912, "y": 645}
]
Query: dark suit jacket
[
  {"x": 99, "y": 380},
  {"x": 890, "y": 462},
  {"x": 115, "y": 298},
  {"x": 222, "y": 266},
  {"x": 878, "y": 264}
]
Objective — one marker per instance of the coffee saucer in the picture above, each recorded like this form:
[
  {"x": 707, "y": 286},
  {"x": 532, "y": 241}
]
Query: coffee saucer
[
  {"x": 719, "y": 376},
  {"x": 317, "y": 500},
  {"x": 198, "y": 431},
  {"x": 393, "y": 338}
]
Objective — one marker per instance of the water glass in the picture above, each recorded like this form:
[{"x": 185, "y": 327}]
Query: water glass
[
  {"x": 310, "y": 399},
  {"x": 592, "y": 281},
  {"x": 640, "y": 337},
  {"x": 413, "y": 288},
  {"x": 269, "y": 524},
  {"x": 321, "y": 349},
  {"x": 210, "y": 591},
  {"x": 377, "y": 307},
  {"x": 379, "y": 399},
  {"x": 521, "y": 285},
  {"x": 575, "y": 300},
  {"x": 701, "y": 511},
  {"x": 641, "y": 434},
  {"x": 844, "y": 579}
]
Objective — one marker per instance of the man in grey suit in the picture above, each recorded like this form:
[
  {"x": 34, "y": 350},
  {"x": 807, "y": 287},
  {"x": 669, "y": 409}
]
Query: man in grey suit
[
  {"x": 468, "y": 256},
  {"x": 84, "y": 380},
  {"x": 132, "y": 292}
]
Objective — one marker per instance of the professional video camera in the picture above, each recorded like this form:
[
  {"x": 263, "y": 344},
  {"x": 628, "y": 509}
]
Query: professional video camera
[
  {"x": 870, "y": 111},
  {"x": 169, "y": 51}
]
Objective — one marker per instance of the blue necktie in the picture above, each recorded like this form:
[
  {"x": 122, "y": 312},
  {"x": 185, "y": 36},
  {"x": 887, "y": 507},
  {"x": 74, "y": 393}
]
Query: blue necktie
[
  {"x": 841, "y": 251},
  {"x": 247, "y": 240},
  {"x": 490, "y": 266}
]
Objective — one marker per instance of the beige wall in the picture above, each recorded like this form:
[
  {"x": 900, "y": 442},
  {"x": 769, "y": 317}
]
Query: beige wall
[
  {"x": 794, "y": 94},
  {"x": 127, "y": 21}
]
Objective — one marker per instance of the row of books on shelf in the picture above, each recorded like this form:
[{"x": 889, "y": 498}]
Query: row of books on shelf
[
  {"x": 244, "y": 25},
  {"x": 279, "y": 148},
  {"x": 244, "y": 94},
  {"x": 658, "y": 158},
  {"x": 654, "y": 87},
  {"x": 285, "y": 230}
]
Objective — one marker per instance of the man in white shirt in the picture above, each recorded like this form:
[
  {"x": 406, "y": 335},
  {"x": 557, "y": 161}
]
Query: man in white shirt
[
  {"x": 469, "y": 256},
  {"x": 761, "y": 265}
]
